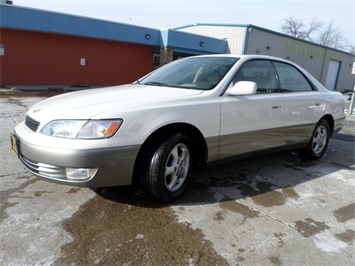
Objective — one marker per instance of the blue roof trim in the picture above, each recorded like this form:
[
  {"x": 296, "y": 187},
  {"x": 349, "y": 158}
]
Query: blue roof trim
[
  {"x": 183, "y": 41},
  {"x": 37, "y": 20}
]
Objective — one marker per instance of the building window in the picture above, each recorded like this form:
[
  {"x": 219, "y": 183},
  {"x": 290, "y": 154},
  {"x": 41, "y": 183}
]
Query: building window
[
  {"x": 156, "y": 61},
  {"x": 2, "y": 50}
]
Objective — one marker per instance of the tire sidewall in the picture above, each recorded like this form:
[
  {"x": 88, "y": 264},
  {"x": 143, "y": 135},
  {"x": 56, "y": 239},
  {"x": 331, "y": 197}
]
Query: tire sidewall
[
  {"x": 156, "y": 171},
  {"x": 309, "y": 152}
]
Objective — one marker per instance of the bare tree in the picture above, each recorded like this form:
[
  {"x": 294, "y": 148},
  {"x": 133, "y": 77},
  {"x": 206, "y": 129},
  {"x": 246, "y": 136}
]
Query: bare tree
[
  {"x": 316, "y": 31},
  {"x": 331, "y": 36},
  {"x": 297, "y": 28},
  {"x": 351, "y": 49}
]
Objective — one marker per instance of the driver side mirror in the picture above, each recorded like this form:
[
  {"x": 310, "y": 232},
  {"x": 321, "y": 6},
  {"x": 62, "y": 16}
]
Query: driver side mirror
[{"x": 242, "y": 88}]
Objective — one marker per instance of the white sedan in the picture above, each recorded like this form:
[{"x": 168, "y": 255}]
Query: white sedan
[{"x": 196, "y": 110}]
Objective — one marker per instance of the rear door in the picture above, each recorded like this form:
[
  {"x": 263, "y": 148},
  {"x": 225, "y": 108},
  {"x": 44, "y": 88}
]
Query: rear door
[
  {"x": 303, "y": 105},
  {"x": 253, "y": 122}
]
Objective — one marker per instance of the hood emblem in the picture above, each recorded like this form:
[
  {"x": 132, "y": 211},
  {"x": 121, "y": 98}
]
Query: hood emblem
[{"x": 36, "y": 111}]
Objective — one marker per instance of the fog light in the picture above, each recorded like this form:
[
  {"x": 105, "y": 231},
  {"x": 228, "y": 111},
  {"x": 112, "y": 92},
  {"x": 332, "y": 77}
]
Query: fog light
[{"x": 80, "y": 173}]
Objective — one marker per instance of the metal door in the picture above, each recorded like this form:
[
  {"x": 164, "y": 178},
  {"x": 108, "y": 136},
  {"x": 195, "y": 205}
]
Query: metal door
[{"x": 332, "y": 75}]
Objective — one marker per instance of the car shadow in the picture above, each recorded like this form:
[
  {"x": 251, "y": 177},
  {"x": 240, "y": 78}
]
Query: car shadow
[{"x": 269, "y": 180}]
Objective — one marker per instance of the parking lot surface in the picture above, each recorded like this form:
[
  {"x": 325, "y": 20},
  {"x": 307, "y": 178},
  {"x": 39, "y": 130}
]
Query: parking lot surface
[{"x": 274, "y": 209}]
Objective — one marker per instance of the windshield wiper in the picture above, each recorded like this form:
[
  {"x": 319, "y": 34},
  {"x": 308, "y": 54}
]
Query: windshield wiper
[{"x": 154, "y": 83}]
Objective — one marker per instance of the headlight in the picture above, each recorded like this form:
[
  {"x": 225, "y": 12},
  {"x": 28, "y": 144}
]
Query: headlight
[
  {"x": 63, "y": 128},
  {"x": 82, "y": 129},
  {"x": 98, "y": 129}
]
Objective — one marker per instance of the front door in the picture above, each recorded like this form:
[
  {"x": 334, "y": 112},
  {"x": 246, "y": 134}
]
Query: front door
[{"x": 253, "y": 122}]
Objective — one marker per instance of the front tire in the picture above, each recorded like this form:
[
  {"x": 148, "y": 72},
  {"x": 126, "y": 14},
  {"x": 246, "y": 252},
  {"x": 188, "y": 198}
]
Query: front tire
[
  {"x": 168, "y": 168},
  {"x": 318, "y": 143}
]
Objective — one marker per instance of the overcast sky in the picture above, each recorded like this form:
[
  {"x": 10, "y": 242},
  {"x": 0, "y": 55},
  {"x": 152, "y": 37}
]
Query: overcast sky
[{"x": 163, "y": 14}]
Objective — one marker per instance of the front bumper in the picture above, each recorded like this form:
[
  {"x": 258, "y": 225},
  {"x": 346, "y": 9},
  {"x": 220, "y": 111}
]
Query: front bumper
[{"x": 114, "y": 164}]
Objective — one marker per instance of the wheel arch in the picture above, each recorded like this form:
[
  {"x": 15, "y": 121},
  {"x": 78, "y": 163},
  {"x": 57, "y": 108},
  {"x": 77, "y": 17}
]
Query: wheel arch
[
  {"x": 199, "y": 145},
  {"x": 330, "y": 121}
]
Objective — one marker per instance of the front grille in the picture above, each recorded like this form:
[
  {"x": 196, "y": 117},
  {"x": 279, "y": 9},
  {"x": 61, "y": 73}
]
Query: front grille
[
  {"x": 31, "y": 123},
  {"x": 44, "y": 170}
]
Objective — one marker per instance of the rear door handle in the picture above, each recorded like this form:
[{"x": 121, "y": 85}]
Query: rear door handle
[{"x": 276, "y": 106}]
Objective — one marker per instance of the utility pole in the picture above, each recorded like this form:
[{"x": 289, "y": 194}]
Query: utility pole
[{"x": 351, "y": 107}]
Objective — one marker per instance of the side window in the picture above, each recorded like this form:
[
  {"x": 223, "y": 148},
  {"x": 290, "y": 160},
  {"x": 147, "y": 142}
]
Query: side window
[
  {"x": 259, "y": 71},
  {"x": 291, "y": 80}
]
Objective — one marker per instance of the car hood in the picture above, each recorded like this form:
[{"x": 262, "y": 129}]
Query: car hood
[{"x": 90, "y": 103}]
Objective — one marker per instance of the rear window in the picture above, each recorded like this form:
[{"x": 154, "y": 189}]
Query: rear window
[{"x": 291, "y": 79}]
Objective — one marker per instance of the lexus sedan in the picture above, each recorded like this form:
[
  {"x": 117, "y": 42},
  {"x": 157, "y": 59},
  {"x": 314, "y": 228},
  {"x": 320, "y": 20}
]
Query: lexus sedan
[{"x": 193, "y": 111}]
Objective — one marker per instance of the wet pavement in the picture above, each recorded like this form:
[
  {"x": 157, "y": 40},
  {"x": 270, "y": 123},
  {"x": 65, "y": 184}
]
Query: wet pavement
[{"x": 270, "y": 210}]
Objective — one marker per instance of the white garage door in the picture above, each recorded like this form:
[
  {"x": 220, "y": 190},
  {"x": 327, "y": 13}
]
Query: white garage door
[{"x": 332, "y": 76}]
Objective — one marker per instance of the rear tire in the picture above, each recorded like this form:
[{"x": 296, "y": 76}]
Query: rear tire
[
  {"x": 318, "y": 144},
  {"x": 167, "y": 168}
]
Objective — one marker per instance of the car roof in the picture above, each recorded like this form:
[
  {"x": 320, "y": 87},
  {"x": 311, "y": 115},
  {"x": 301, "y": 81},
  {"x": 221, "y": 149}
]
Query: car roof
[{"x": 245, "y": 56}]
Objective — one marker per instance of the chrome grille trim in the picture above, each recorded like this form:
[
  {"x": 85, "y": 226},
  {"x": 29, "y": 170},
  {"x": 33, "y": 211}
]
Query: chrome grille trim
[
  {"x": 31, "y": 123},
  {"x": 44, "y": 170}
]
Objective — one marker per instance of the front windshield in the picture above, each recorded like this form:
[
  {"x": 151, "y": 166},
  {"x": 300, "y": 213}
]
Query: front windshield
[{"x": 202, "y": 73}]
